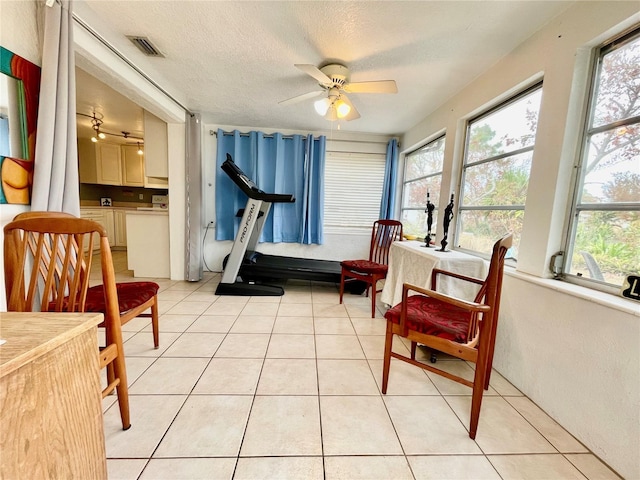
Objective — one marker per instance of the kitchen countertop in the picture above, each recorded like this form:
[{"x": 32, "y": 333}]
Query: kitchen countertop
[
  {"x": 129, "y": 205},
  {"x": 149, "y": 211}
]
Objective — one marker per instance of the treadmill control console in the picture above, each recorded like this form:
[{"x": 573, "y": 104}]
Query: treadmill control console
[{"x": 249, "y": 187}]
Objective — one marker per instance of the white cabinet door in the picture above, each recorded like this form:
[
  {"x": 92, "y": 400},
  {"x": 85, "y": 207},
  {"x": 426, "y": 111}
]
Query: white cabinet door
[
  {"x": 97, "y": 215},
  {"x": 109, "y": 224},
  {"x": 132, "y": 166},
  {"x": 108, "y": 163},
  {"x": 87, "y": 161},
  {"x": 120, "y": 222}
]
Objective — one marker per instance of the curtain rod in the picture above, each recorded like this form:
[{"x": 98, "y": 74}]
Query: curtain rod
[
  {"x": 128, "y": 62},
  {"x": 265, "y": 135}
]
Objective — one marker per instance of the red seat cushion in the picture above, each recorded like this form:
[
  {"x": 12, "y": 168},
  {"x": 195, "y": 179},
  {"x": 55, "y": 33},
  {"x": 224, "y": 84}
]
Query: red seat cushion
[
  {"x": 365, "y": 266},
  {"x": 130, "y": 295},
  {"x": 433, "y": 317}
]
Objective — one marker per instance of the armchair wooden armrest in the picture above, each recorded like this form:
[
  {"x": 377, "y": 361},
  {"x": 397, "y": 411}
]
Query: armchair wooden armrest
[{"x": 458, "y": 302}]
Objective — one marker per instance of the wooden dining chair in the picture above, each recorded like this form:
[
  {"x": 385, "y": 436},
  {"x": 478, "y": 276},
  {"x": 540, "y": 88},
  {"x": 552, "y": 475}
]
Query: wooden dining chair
[
  {"x": 135, "y": 299},
  {"x": 46, "y": 268},
  {"x": 383, "y": 234},
  {"x": 463, "y": 329}
]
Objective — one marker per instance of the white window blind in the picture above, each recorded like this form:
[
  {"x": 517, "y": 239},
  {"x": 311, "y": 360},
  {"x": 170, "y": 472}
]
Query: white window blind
[{"x": 353, "y": 189}]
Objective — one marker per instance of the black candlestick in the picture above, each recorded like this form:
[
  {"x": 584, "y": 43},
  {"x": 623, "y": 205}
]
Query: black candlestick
[
  {"x": 429, "y": 212},
  {"x": 448, "y": 215}
]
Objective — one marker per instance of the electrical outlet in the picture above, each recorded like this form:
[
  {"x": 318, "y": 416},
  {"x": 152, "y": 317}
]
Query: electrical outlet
[{"x": 141, "y": 196}]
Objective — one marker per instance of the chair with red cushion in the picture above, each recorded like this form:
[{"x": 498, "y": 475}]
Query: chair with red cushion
[
  {"x": 134, "y": 298},
  {"x": 46, "y": 268},
  {"x": 463, "y": 329},
  {"x": 383, "y": 234}
]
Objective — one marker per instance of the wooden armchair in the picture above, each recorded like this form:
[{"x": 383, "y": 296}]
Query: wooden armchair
[
  {"x": 135, "y": 299},
  {"x": 46, "y": 269},
  {"x": 383, "y": 234},
  {"x": 463, "y": 329}
]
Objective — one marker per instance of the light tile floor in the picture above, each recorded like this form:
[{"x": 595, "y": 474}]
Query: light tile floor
[{"x": 289, "y": 387}]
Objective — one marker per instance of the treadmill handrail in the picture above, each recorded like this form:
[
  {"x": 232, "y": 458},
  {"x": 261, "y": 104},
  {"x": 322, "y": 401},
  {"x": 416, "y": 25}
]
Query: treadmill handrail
[{"x": 249, "y": 187}]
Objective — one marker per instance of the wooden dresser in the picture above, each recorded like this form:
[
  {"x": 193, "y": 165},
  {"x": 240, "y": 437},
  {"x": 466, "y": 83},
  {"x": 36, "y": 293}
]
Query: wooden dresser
[{"x": 50, "y": 397}]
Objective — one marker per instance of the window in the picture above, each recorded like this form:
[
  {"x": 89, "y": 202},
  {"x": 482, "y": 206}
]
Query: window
[
  {"x": 604, "y": 235},
  {"x": 422, "y": 175},
  {"x": 353, "y": 189},
  {"x": 495, "y": 177}
]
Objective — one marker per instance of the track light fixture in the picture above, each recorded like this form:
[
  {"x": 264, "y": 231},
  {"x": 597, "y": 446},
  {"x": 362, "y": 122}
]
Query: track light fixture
[
  {"x": 99, "y": 134},
  {"x": 95, "y": 124}
]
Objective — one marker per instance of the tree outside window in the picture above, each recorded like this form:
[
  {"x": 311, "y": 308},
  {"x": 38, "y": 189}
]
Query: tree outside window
[
  {"x": 604, "y": 238},
  {"x": 497, "y": 164},
  {"x": 422, "y": 175}
]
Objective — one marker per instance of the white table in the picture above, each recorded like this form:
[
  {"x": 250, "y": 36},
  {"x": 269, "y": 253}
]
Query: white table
[{"x": 410, "y": 262}]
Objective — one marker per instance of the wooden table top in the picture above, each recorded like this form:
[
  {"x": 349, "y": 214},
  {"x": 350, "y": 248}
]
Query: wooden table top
[{"x": 30, "y": 335}]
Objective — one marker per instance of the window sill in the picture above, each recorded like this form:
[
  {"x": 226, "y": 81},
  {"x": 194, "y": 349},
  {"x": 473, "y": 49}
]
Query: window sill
[{"x": 618, "y": 303}]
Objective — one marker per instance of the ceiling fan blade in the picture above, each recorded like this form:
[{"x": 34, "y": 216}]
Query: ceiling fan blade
[
  {"x": 353, "y": 113},
  {"x": 314, "y": 72},
  {"x": 380, "y": 86},
  {"x": 300, "y": 98}
]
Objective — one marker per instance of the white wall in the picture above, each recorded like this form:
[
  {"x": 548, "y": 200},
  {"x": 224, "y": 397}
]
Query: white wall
[
  {"x": 578, "y": 360},
  {"x": 19, "y": 30},
  {"x": 19, "y": 34}
]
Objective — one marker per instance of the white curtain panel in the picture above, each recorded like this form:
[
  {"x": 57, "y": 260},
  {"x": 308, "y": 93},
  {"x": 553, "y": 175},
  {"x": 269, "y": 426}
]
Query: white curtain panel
[{"x": 55, "y": 178}]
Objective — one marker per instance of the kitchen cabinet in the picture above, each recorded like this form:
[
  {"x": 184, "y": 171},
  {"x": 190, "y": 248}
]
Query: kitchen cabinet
[
  {"x": 87, "y": 161},
  {"x": 105, "y": 217},
  {"x": 108, "y": 164},
  {"x": 120, "y": 224},
  {"x": 99, "y": 162},
  {"x": 132, "y": 166},
  {"x": 111, "y": 164},
  {"x": 50, "y": 396}
]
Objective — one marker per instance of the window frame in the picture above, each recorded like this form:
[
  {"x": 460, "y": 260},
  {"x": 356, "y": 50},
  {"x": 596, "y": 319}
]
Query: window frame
[
  {"x": 538, "y": 85},
  {"x": 578, "y": 179},
  {"x": 405, "y": 182}
]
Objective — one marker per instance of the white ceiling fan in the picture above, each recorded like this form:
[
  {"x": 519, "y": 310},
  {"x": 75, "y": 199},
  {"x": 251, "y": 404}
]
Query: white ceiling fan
[{"x": 334, "y": 82}]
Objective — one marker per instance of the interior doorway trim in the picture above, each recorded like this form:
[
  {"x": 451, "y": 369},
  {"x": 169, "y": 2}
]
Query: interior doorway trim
[{"x": 122, "y": 57}]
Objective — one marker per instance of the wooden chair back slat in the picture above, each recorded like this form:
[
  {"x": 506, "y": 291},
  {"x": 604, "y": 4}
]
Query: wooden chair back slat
[{"x": 383, "y": 234}]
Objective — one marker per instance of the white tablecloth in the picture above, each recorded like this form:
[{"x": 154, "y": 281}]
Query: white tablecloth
[{"x": 410, "y": 262}]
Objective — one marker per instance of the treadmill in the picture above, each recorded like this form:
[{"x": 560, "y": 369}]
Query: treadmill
[{"x": 253, "y": 267}]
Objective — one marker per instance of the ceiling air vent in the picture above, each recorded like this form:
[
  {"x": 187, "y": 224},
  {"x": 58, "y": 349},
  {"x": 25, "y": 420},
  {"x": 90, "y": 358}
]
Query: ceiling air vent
[{"x": 145, "y": 46}]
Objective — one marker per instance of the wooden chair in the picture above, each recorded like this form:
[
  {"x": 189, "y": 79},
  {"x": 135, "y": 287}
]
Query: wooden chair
[
  {"x": 460, "y": 328},
  {"x": 383, "y": 234},
  {"x": 46, "y": 269},
  {"x": 134, "y": 298}
]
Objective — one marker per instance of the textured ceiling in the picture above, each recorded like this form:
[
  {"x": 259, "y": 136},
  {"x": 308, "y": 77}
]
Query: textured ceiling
[{"x": 234, "y": 60}]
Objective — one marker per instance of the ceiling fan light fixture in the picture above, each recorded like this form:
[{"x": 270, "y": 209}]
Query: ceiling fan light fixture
[
  {"x": 342, "y": 108},
  {"x": 101, "y": 135},
  {"x": 332, "y": 113},
  {"x": 94, "y": 139},
  {"x": 322, "y": 106}
]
